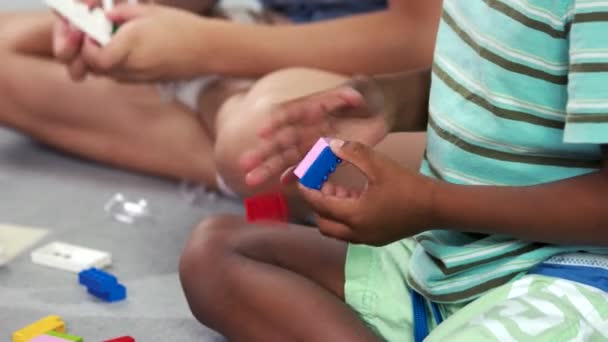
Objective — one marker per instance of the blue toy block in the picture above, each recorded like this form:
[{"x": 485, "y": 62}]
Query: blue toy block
[
  {"x": 102, "y": 285},
  {"x": 318, "y": 173}
]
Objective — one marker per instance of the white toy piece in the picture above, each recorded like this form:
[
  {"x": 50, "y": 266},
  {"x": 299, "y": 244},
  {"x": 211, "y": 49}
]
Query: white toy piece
[
  {"x": 70, "y": 257},
  {"x": 3, "y": 257},
  {"x": 92, "y": 22},
  {"x": 16, "y": 239}
]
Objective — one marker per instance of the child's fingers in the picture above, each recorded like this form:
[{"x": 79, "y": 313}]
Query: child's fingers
[
  {"x": 358, "y": 154},
  {"x": 352, "y": 193},
  {"x": 125, "y": 12},
  {"x": 262, "y": 173},
  {"x": 254, "y": 157},
  {"x": 341, "y": 192},
  {"x": 66, "y": 41},
  {"x": 272, "y": 166},
  {"x": 91, "y": 52},
  {"x": 288, "y": 176},
  {"x": 105, "y": 59},
  {"x": 259, "y": 175},
  {"x": 329, "y": 206},
  {"x": 77, "y": 70},
  {"x": 280, "y": 116},
  {"x": 282, "y": 143},
  {"x": 331, "y": 189},
  {"x": 311, "y": 109},
  {"x": 328, "y": 189},
  {"x": 335, "y": 229}
]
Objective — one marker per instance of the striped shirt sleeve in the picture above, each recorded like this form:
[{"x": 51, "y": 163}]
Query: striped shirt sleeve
[{"x": 587, "y": 107}]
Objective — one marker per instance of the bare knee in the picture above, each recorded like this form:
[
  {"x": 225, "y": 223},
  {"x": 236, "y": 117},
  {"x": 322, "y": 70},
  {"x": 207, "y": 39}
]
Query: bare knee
[
  {"x": 290, "y": 83},
  {"x": 208, "y": 244},
  {"x": 233, "y": 139},
  {"x": 202, "y": 266}
]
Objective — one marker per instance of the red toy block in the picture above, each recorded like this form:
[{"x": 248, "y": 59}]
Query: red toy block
[
  {"x": 267, "y": 207},
  {"x": 122, "y": 339}
]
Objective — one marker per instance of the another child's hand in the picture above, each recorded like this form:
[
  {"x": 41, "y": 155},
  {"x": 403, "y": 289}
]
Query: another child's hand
[
  {"x": 395, "y": 203},
  {"x": 67, "y": 45},
  {"x": 153, "y": 43},
  {"x": 350, "y": 112}
]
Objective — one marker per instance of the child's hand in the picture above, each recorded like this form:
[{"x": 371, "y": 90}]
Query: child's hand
[
  {"x": 395, "y": 203},
  {"x": 67, "y": 45},
  {"x": 350, "y": 112},
  {"x": 153, "y": 43}
]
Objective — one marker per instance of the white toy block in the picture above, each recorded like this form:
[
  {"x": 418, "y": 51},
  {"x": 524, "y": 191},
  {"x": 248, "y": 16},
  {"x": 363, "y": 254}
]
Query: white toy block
[
  {"x": 3, "y": 257},
  {"x": 92, "y": 22},
  {"x": 108, "y": 4},
  {"x": 16, "y": 239},
  {"x": 70, "y": 257}
]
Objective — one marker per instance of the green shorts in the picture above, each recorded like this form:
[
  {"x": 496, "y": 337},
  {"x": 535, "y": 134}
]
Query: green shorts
[{"x": 532, "y": 308}]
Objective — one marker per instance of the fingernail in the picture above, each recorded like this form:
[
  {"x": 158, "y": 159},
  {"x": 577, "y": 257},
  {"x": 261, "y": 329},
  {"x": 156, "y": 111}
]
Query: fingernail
[
  {"x": 336, "y": 144},
  {"x": 352, "y": 92}
]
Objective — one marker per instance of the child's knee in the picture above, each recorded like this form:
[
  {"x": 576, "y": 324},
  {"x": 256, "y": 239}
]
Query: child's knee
[
  {"x": 290, "y": 83},
  {"x": 207, "y": 243},
  {"x": 202, "y": 267},
  {"x": 231, "y": 143}
]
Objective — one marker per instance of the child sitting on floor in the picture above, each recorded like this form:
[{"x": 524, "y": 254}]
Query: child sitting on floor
[{"x": 501, "y": 238}]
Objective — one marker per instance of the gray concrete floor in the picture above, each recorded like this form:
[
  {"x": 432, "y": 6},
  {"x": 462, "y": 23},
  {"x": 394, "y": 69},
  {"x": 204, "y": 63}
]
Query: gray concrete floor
[{"x": 43, "y": 188}]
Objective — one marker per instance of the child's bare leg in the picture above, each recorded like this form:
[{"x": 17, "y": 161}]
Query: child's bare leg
[
  {"x": 127, "y": 126},
  {"x": 256, "y": 283},
  {"x": 14, "y": 26}
]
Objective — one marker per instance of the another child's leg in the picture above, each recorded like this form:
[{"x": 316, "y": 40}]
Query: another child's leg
[
  {"x": 127, "y": 126},
  {"x": 255, "y": 283}
]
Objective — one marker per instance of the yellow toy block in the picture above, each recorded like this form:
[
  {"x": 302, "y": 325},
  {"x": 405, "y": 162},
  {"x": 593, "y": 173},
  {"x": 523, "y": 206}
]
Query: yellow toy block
[{"x": 49, "y": 323}]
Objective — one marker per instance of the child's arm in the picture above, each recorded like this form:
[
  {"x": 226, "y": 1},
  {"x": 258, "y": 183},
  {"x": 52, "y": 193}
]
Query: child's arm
[
  {"x": 398, "y": 203},
  {"x": 162, "y": 42},
  {"x": 400, "y": 38},
  {"x": 572, "y": 211},
  {"x": 199, "y": 6}
]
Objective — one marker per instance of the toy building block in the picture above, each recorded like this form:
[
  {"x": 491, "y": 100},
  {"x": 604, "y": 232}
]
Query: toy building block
[
  {"x": 267, "y": 207},
  {"x": 46, "y": 338},
  {"x": 70, "y": 257},
  {"x": 102, "y": 285},
  {"x": 49, "y": 323},
  {"x": 93, "y": 22},
  {"x": 65, "y": 337},
  {"x": 121, "y": 339},
  {"x": 3, "y": 257},
  {"x": 317, "y": 165}
]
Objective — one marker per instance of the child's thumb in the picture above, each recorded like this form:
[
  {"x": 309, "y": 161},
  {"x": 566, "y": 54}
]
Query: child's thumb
[{"x": 358, "y": 154}]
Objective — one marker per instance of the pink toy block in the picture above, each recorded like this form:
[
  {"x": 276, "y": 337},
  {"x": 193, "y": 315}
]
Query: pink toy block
[
  {"x": 311, "y": 156},
  {"x": 47, "y": 338}
]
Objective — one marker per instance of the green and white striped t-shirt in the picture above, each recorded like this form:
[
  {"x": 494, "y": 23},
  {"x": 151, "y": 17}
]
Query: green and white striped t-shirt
[{"x": 519, "y": 97}]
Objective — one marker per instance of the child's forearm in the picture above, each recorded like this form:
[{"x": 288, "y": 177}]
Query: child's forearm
[
  {"x": 198, "y": 6},
  {"x": 406, "y": 97},
  {"x": 572, "y": 211},
  {"x": 373, "y": 43}
]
